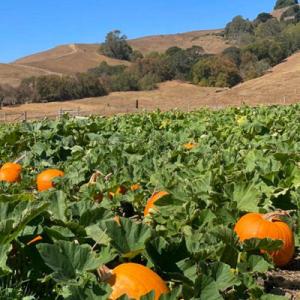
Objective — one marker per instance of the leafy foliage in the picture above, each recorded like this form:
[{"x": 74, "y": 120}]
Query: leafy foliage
[
  {"x": 245, "y": 159},
  {"x": 116, "y": 46},
  {"x": 284, "y": 3}
]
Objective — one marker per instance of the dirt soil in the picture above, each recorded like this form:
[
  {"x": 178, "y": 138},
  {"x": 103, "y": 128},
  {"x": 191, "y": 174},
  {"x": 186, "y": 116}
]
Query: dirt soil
[{"x": 285, "y": 281}]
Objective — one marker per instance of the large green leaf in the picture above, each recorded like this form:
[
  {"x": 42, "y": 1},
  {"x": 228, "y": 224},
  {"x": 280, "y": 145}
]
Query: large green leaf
[
  {"x": 129, "y": 238},
  {"x": 68, "y": 259}
]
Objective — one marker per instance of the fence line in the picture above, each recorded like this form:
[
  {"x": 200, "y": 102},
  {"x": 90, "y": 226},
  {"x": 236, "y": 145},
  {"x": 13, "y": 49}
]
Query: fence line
[{"x": 108, "y": 109}]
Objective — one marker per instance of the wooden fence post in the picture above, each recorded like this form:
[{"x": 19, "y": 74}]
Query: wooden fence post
[{"x": 137, "y": 104}]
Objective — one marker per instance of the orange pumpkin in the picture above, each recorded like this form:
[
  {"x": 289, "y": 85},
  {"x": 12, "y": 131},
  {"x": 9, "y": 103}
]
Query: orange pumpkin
[
  {"x": 135, "y": 187},
  {"x": 135, "y": 281},
  {"x": 152, "y": 200},
  {"x": 120, "y": 190},
  {"x": 189, "y": 146},
  {"x": 10, "y": 172},
  {"x": 45, "y": 179},
  {"x": 255, "y": 225}
]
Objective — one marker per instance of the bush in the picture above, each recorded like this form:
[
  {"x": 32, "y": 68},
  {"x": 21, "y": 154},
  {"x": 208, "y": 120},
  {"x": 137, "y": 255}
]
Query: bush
[
  {"x": 216, "y": 71},
  {"x": 284, "y": 3},
  {"x": 269, "y": 49},
  {"x": 233, "y": 54},
  {"x": 148, "y": 82},
  {"x": 136, "y": 55},
  {"x": 270, "y": 28},
  {"x": 181, "y": 61},
  {"x": 104, "y": 69},
  {"x": 262, "y": 18},
  {"x": 56, "y": 88},
  {"x": 124, "y": 82},
  {"x": 291, "y": 15}
]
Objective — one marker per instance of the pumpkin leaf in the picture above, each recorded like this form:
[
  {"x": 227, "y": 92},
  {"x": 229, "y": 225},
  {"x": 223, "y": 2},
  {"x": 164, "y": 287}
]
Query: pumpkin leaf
[
  {"x": 128, "y": 238},
  {"x": 68, "y": 259}
]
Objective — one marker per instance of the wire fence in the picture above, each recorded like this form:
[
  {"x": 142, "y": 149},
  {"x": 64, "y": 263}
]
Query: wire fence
[{"x": 137, "y": 107}]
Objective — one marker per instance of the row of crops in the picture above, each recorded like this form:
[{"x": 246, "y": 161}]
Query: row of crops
[{"x": 93, "y": 234}]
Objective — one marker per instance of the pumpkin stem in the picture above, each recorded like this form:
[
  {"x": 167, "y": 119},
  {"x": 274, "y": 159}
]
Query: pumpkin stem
[
  {"x": 94, "y": 177},
  {"x": 104, "y": 273},
  {"x": 18, "y": 160},
  {"x": 275, "y": 215}
]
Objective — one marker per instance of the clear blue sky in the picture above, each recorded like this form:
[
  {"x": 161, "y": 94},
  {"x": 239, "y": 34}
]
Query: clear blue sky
[{"x": 29, "y": 26}]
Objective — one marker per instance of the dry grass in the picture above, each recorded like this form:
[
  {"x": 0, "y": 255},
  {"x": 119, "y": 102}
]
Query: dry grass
[
  {"x": 13, "y": 74},
  {"x": 210, "y": 40},
  {"x": 69, "y": 59},
  {"x": 279, "y": 85},
  {"x": 170, "y": 95}
]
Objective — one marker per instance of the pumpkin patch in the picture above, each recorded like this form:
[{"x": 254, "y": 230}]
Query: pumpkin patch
[{"x": 164, "y": 219}]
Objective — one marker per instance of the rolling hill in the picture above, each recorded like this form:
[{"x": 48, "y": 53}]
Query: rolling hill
[
  {"x": 12, "y": 74},
  {"x": 279, "y": 85},
  {"x": 74, "y": 58}
]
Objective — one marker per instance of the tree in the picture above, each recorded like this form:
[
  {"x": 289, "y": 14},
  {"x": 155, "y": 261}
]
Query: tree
[
  {"x": 216, "y": 71},
  {"x": 285, "y": 3},
  {"x": 238, "y": 27},
  {"x": 116, "y": 46},
  {"x": 104, "y": 69},
  {"x": 233, "y": 54},
  {"x": 262, "y": 18},
  {"x": 291, "y": 15},
  {"x": 270, "y": 28},
  {"x": 136, "y": 55}
]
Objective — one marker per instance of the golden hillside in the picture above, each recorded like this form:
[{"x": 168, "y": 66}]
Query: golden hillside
[
  {"x": 12, "y": 74},
  {"x": 279, "y": 85}
]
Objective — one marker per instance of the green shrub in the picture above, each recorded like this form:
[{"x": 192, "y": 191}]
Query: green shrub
[{"x": 216, "y": 71}]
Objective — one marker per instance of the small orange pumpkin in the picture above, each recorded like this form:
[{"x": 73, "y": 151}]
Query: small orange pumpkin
[
  {"x": 10, "y": 172},
  {"x": 45, "y": 179},
  {"x": 255, "y": 225},
  {"x": 135, "y": 280},
  {"x": 152, "y": 200},
  {"x": 120, "y": 190},
  {"x": 189, "y": 146},
  {"x": 135, "y": 187}
]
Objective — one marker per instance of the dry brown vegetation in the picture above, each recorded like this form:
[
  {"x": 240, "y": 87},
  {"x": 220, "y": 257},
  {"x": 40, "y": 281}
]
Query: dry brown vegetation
[
  {"x": 12, "y": 74},
  {"x": 279, "y": 85},
  {"x": 210, "y": 40}
]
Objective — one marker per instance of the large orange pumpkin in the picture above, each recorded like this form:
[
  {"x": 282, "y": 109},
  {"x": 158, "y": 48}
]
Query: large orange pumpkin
[
  {"x": 135, "y": 281},
  {"x": 152, "y": 200},
  {"x": 45, "y": 179},
  {"x": 10, "y": 172},
  {"x": 255, "y": 225}
]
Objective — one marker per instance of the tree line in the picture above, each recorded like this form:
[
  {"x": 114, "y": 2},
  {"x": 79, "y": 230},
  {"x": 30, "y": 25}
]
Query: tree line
[{"x": 256, "y": 46}]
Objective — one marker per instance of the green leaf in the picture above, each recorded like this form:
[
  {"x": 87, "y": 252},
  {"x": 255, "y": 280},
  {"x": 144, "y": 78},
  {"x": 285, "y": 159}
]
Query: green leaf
[
  {"x": 4, "y": 250},
  {"x": 207, "y": 289},
  {"x": 128, "y": 238},
  {"x": 262, "y": 244},
  {"x": 258, "y": 264},
  {"x": 223, "y": 276},
  {"x": 68, "y": 260},
  {"x": 246, "y": 196}
]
